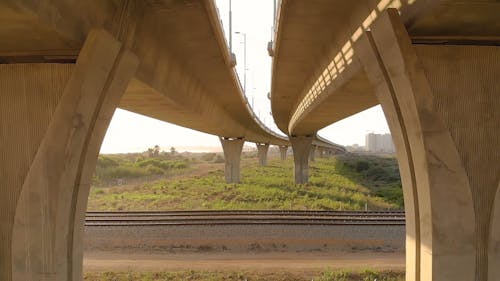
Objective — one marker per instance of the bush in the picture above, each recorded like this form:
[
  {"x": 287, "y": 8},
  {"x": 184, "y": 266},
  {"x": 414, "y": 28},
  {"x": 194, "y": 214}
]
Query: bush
[
  {"x": 208, "y": 156},
  {"x": 120, "y": 172},
  {"x": 219, "y": 159},
  {"x": 106, "y": 162},
  {"x": 179, "y": 165},
  {"x": 153, "y": 170},
  {"x": 376, "y": 173},
  {"x": 153, "y": 162},
  {"x": 362, "y": 166},
  {"x": 329, "y": 275}
]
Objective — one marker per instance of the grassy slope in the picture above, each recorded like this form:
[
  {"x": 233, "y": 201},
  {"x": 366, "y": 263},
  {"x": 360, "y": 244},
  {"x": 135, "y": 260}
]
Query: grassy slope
[{"x": 333, "y": 185}]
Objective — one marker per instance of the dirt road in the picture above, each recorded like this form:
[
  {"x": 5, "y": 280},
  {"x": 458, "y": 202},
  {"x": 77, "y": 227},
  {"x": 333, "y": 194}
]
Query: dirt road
[{"x": 303, "y": 262}]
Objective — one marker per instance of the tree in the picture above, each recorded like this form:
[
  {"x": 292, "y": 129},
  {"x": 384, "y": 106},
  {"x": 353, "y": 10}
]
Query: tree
[
  {"x": 172, "y": 150},
  {"x": 154, "y": 151}
]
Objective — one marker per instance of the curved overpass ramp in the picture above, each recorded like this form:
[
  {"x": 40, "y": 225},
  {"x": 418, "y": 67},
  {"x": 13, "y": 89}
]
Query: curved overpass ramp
[
  {"x": 185, "y": 75},
  {"x": 65, "y": 66}
]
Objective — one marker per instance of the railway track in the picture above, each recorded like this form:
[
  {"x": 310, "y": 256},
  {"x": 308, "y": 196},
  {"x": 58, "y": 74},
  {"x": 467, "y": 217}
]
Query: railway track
[{"x": 244, "y": 217}]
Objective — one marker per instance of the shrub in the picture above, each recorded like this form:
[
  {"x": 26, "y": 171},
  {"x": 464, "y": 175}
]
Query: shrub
[
  {"x": 153, "y": 170},
  {"x": 376, "y": 173},
  {"x": 121, "y": 172},
  {"x": 208, "y": 156},
  {"x": 106, "y": 162},
  {"x": 362, "y": 166},
  {"x": 219, "y": 159},
  {"x": 154, "y": 162}
]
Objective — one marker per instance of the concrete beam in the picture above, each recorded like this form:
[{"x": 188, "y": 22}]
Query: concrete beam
[
  {"x": 232, "y": 157},
  {"x": 283, "y": 151},
  {"x": 301, "y": 146},
  {"x": 441, "y": 103},
  {"x": 262, "y": 149},
  {"x": 51, "y": 161}
]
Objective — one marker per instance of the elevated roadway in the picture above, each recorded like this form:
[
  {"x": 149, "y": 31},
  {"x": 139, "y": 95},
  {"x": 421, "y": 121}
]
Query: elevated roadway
[
  {"x": 65, "y": 66},
  {"x": 434, "y": 68},
  {"x": 186, "y": 78}
]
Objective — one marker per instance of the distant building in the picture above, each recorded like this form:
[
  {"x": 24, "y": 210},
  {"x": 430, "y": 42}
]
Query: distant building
[
  {"x": 355, "y": 148},
  {"x": 379, "y": 143}
]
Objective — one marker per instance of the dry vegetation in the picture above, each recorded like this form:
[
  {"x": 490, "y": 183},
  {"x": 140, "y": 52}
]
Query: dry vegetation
[
  {"x": 326, "y": 275},
  {"x": 347, "y": 182}
]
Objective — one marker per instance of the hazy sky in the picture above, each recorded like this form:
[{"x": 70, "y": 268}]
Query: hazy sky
[{"x": 129, "y": 132}]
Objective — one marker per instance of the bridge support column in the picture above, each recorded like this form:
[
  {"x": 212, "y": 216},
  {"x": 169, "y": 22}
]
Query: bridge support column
[
  {"x": 301, "y": 147},
  {"x": 283, "y": 150},
  {"x": 53, "y": 118},
  {"x": 232, "y": 156},
  {"x": 262, "y": 149},
  {"x": 321, "y": 152},
  {"x": 441, "y": 103},
  {"x": 312, "y": 153}
]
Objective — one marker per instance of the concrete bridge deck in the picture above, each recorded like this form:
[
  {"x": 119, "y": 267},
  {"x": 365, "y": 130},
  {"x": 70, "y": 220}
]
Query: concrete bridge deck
[{"x": 433, "y": 66}]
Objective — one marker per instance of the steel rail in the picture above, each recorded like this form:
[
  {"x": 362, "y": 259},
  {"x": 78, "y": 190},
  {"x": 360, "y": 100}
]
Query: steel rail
[{"x": 261, "y": 217}]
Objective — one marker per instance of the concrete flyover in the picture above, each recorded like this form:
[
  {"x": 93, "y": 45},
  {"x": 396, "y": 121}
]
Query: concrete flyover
[
  {"x": 434, "y": 68},
  {"x": 65, "y": 66}
]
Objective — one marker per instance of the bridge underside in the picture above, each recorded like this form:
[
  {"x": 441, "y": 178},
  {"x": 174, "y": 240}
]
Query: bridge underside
[
  {"x": 433, "y": 67},
  {"x": 441, "y": 103},
  {"x": 53, "y": 119}
]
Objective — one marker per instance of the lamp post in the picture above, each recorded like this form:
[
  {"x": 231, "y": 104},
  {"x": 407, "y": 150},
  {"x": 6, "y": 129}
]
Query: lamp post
[
  {"x": 230, "y": 28},
  {"x": 244, "y": 60}
]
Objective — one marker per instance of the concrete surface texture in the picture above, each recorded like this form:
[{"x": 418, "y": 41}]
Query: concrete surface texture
[
  {"x": 432, "y": 65},
  {"x": 454, "y": 164},
  {"x": 301, "y": 147},
  {"x": 64, "y": 112},
  {"x": 283, "y": 151},
  {"x": 262, "y": 149},
  {"x": 232, "y": 155},
  {"x": 434, "y": 72}
]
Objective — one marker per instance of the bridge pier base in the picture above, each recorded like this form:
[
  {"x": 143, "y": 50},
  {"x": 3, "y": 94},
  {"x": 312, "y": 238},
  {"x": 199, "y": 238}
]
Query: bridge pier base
[
  {"x": 301, "y": 147},
  {"x": 53, "y": 118},
  {"x": 262, "y": 149},
  {"x": 321, "y": 152},
  {"x": 232, "y": 157},
  {"x": 312, "y": 153},
  {"x": 442, "y": 106},
  {"x": 283, "y": 150}
]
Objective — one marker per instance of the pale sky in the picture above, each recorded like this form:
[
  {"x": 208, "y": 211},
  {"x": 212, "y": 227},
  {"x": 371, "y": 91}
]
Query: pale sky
[{"x": 129, "y": 132}]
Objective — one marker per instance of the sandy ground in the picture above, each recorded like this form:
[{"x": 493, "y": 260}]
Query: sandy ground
[{"x": 303, "y": 262}]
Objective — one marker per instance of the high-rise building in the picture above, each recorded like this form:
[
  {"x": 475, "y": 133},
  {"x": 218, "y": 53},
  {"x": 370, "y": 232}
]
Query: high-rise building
[{"x": 379, "y": 143}]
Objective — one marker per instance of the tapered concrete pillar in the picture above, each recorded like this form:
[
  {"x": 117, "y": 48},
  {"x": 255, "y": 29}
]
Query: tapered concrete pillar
[
  {"x": 312, "y": 153},
  {"x": 283, "y": 150},
  {"x": 262, "y": 149},
  {"x": 321, "y": 152},
  {"x": 301, "y": 147},
  {"x": 232, "y": 156},
  {"x": 53, "y": 118},
  {"x": 442, "y": 105}
]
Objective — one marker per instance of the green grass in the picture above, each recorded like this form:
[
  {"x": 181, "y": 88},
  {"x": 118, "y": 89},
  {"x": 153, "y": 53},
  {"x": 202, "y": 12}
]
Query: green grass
[
  {"x": 327, "y": 275},
  {"x": 381, "y": 174},
  {"x": 334, "y": 184},
  {"x": 118, "y": 168}
]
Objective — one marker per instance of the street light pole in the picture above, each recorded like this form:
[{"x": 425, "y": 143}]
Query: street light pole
[
  {"x": 230, "y": 28},
  {"x": 244, "y": 61},
  {"x": 274, "y": 12}
]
